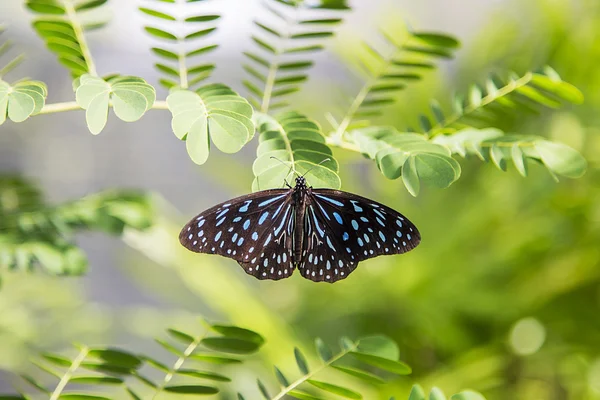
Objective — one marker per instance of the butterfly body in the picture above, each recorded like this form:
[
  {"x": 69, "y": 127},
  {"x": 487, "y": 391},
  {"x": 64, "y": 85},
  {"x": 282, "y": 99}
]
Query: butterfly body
[{"x": 322, "y": 232}]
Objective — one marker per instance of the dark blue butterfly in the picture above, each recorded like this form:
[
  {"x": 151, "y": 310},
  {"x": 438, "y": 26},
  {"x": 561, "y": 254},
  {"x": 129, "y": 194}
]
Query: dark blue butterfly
[{"x": 322, "y": 232}]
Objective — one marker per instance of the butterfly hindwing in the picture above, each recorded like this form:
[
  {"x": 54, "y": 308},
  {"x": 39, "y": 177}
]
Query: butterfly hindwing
[
  {"x": 342, "y": 229},
  {"x": 255, "y": 230}
]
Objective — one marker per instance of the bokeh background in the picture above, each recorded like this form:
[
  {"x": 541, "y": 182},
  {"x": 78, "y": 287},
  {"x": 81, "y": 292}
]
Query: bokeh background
[{"x": 503, "y": 294}]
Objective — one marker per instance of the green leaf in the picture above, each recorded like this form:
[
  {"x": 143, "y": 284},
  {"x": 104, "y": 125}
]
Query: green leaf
[
  {"x": 157, "y": 14},
  {"x": 159, "y": 33},
  {"x": 78, "y": 396},
  {"x": 467, "y": 395},
  {"x": 230, "y": 345},
  {"x": 57, "y": 360},
  {"x": 301, "y": 361},
  {"x": 223, "y": 113},
  {"x": 475, "y": 96},
  {"x": 519, "y": 159},
  {"x": 169, "y": 347},
  {"x": 335, "y": 389},
  {"x": 357, "y": 373},
  {"x": 297, "y": 394},
  {"x": 116, "y": 357},
  {"x": 191, "y": 389},
  {"x": 204, "y": 375},
  {"x": 437, "y": 39},
  {"x": 96, "y": 380},
  {"x": 89, "y": 5},
  {"x": 497, "y": 156},
  {"x": 323, "y": 350},
  {"x": 182, "y": 337},
  {"x": 45, "y": 7},
  {"x": 20, "y": 101},
  {"x": 558, "y": 88},
  {"x": 297, "y": 142},
  {"x": 380, "y": 346},
  {"x": 239, "y": 333},
  {"x": 396, "y": 367},
  {"x": 209, "y": 358},
  {"x": 35, "y": 384},
  {"x": 202, "y": 18},
  {"x": 131, "y": 98},
  {"x": 416, "y": 393},
  {"x": 165, "y": 53},
  {"x": 561, "y": 159},
  {"x": 436, "y": 394},
  {"x": 263, "y": 390},
  {"x": 200, "y": 33},
  {"x": 281, "y": 377},
  {"x": 312, "y": 35},
  {"x": 347, "y": 343}
]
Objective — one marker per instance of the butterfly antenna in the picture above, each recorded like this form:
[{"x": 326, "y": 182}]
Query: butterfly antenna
[
  {"x": 314, "y": 166},
  {"x": 291, "y": 168}
]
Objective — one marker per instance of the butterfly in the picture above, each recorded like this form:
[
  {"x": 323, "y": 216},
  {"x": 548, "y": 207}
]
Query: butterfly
[{"x": 324, "y": 233}]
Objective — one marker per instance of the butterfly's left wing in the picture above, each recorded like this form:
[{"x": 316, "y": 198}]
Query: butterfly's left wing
[
  {"x": 342, "y": 229},
  {"x": 255, "y": 230}
]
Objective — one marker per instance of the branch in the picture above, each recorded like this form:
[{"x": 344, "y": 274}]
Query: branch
[
  {"x": 273, "y": 66},
  {"x": 85, "y": 50},
  {"x": 179, "y": 363},
  {"x": 511, "y": 87},
  {"x": 72, "y": 106},
  {"x": 306, "y": 377},
  {"x": 69, "y": 374}
]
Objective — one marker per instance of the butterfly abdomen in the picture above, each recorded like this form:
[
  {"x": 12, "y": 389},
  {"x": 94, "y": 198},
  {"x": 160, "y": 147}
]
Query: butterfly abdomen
[{"x": 300, "y": 209}]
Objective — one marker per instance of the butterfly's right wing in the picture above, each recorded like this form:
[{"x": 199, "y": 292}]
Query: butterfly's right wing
[
  {"x": 255, "y": 230},
  {"x": 342, "y": 229}
]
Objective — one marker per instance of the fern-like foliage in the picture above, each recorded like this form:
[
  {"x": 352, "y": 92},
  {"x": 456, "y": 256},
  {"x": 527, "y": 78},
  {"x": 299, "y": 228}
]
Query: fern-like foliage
[
  {"x": 388, "y": 69},
  {"x": 196, "y": 363},
  {"x": 426, "y": 157},
  {"x": 105, "y": 370},
  {"x": 183, "y": 29},
  {"x": 493, "y": 145},
  {"x": 356, "y": 359},
  {"x": 502, "y": 99},
  {"x": 285, "y": 48},
  {"x": 33, "y": 233},
  {"x": 20, "y": 100},
  {"x": 296, "y": 142},
  {"x": 417, "y": 393},
  {"x": 61, "y": 24}
]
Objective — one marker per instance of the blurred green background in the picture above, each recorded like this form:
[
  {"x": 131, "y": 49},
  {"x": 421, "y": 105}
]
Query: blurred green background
[{"x": 502, "y": 296}]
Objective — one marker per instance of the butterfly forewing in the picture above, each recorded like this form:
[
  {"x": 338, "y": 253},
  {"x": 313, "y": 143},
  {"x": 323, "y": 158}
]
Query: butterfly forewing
[
  {"x": 255, "y": 230},
  {"x": 341, "y": 229}
]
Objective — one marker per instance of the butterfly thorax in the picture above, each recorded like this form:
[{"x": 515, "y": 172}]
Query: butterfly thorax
[{"x": 301, "y": 192}]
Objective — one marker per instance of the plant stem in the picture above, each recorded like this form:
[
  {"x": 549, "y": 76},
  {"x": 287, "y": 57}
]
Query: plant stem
[
  {"x": 183, "y": 74},
  {"x": 306, "y": 377},
  {"x": 360, "y": 97},
  {"x": 69, "y": 374},
  {"x": 490, "y": 98},
  {"x": 11, "y": 65},
  {"x": 78, "y": 29},
  {"x": 188, "y": 351},
  {"x": 273, "y": 67},
  {"x": 72, "y": 106}
]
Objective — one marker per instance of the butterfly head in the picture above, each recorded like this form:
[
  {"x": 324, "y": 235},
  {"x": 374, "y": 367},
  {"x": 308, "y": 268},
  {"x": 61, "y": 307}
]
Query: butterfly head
[{"x": 300, "y": 182}]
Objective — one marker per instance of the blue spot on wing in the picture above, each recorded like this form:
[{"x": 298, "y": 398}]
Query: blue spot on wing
[
  {"x": 332, "y": 201},
  {"x": 271, "y": 200},
  {"x": 263, "y": 217},
  {"x": 338, "y": 218},
  {"x": 244, "y": 208}
]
